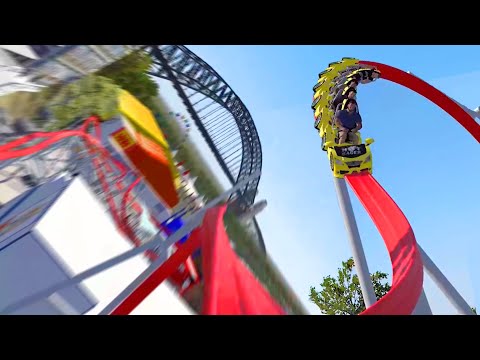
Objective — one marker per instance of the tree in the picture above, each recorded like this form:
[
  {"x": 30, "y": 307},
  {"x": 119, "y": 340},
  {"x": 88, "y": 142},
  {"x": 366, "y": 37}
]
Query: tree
[
  {"x": 474, "y": 309},
  {"x": 343, "y": 295},
  {"x": 130, "y": 73},
  {"x": 82, "y": 98}
]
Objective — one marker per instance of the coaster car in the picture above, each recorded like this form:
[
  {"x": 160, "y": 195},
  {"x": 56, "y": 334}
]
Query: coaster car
[{"x": 348, "y": 158}]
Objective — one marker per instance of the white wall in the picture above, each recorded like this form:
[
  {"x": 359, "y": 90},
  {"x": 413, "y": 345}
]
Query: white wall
[
  {"x": 24, "y": 50},
  {"x": 26, "y": 268},
  {"x": 81, "y": 234}
]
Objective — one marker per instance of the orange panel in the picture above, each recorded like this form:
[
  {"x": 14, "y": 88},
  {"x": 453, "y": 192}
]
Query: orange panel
[
  {"x": 152, "y": 148},
  {"x": 151, "y": 164}
]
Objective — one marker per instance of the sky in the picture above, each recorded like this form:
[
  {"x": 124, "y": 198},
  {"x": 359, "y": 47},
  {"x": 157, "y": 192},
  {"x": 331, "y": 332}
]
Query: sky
[{"x": 421, "y": 156}]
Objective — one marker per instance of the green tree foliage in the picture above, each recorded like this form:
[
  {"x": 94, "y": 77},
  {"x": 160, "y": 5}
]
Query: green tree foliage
[
  {"x": 130, "y": 73},
  {"x": 474, "y": 310},
  {"x": 82, "y": 98},
  {"x": 343, "y": 295}
]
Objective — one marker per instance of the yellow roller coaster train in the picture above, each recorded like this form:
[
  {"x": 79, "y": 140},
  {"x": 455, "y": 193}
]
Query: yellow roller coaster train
[{"x": 345, "y": 158}]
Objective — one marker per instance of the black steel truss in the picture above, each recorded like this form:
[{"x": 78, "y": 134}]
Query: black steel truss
[{"x": 184, "y": 69}]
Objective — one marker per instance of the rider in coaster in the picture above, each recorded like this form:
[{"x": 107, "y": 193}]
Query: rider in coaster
[
  {"x": 348, "y": 122},
  {"x": 347, "y": 93},
  {"x": 365, "y": 76},
  {"x": 341, "y": 86}
]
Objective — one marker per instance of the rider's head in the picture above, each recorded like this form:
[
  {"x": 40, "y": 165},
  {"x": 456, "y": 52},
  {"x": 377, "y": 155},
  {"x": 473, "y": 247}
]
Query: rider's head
[
  {"x": 352, "y": 83},
  {"x": 351, "y": 105},
  {"x": 351, "y": 93}
]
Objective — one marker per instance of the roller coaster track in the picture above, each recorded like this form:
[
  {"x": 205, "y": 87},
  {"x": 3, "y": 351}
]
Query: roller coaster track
[{"x": 405, "y": 254}]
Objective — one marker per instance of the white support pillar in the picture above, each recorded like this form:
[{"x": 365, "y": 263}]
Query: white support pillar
[
  {"x": 361, "y": 266},
  {"x": 447, "y": 288},
  {"x": 423, "y": 307}
]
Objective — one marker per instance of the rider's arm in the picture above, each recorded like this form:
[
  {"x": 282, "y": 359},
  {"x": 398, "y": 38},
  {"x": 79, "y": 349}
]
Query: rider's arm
[
  {"x": 358, "y": 124},
  {"x": 339, "y": 123}
]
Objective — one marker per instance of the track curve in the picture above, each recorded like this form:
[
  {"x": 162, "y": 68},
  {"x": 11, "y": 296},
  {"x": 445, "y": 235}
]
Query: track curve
[
  {"x": 405, "y": 284},
  {"x": 428, "y": 91},
  {"x": 407, "y": 265}
]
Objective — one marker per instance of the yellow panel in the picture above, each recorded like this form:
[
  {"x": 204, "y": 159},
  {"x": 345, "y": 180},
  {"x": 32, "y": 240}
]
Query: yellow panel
[
  {"x": 141, "y": 117},
  {"x": 142, "y": 121}
]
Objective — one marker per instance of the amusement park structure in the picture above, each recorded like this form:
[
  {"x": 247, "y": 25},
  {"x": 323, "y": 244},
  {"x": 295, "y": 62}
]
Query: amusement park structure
[
  {"x": 113, "y": 161},
  {"x": 352, "y": 163},
  {"x": 217, "y": 111}
]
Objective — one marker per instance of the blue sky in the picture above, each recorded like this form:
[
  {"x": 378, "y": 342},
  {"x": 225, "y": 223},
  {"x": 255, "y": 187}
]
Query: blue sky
[{"x": 422, "y": 157}]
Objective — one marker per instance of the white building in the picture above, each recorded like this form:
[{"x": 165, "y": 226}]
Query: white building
[
  {"x": 57, "y": 231},
  {"x": 13, "y": 59},
  {"x": 30, "y": 67}
]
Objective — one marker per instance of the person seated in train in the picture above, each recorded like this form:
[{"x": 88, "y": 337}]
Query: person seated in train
[
  {"x": 361, "y": 76},
  {"x": 347, "y": 93},
  {"x": 343, "y": 106},
  {"x": 349, "y": 122},
  {"x": 365, "y": 76},
  {"x": 346, "y": 83},
  {"x": 345, "y": 72}
]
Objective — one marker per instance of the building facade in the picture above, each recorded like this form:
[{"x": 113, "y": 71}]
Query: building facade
[{"x": 31, "y": 67}]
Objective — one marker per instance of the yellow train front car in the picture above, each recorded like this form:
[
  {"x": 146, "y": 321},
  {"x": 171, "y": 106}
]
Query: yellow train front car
[{"x": 347, "y": 159}]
